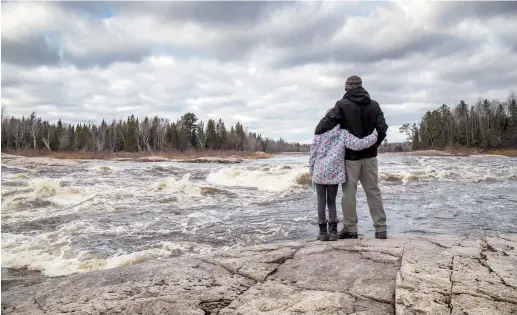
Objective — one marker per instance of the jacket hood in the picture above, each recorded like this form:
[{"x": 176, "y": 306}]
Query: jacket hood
[{"x": 359, "y": 96}]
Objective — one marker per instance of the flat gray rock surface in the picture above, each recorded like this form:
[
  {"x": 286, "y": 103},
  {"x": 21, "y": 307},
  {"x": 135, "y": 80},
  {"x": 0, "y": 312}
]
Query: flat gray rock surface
[{"x": 401, "y": 275}]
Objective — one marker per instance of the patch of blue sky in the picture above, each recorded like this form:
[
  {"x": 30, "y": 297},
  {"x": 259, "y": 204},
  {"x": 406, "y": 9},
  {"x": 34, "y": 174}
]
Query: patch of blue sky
[
  {"x": 53, "y": 42},
  {"x": 176, "y": 52},
  {"x": 94, "y": 9},
  {"x": 366, "y": 13}
]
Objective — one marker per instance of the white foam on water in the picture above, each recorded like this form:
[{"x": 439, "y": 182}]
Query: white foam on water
[
  {"x": 178, "y": 188},
  {"x": 443, "y": 173},
  {"x": 273, "y": 179},
  {"x": 165, "y": 168},
  {"x": 63, "y": 200},
  {"x": 48, "y": 252},
  {"x": 160, "y": 250},
  {"x": 399, "y": 177},
  {"x": 52, "y": 254},
  {"x": 104, "y": 169},
  {"x": 51, "y": 190}
]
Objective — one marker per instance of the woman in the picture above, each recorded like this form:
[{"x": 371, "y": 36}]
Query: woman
[{"x": 327, "y": 170}]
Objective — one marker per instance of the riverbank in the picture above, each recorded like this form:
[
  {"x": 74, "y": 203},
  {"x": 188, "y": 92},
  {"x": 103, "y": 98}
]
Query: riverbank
[
  {"x": 464, "y": 152},
  {"x": 204, "y": 156},
  {"x": 508, "y": 152},
  {"x": 401, "y": 275}
]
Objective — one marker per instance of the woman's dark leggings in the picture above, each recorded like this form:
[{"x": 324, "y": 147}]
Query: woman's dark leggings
[{"x": 326, "y": 196}]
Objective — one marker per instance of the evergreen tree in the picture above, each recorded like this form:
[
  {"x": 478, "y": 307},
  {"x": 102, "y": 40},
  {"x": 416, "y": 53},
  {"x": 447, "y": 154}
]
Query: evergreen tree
[
  {"x": 173, "y": 136},
  {"x": 221, "y": 134},
  {"x": 132, "y": 136},
  {"x": 211, "y": 135},
  {"x": 189, "y": 128},
  {"x": 240, "y": 136},
  {"x": 231, "y": 141},
  {"x": 486, "y": 125}
]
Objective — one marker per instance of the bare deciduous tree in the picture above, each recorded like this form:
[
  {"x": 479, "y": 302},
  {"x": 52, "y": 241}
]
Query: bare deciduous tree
[
  {"x": 47, "y": 138},
  {"x": 34, "y": 128},
  {"x": 64, "y": 140},
  {"x": 144, "y": 133},
  {"x": 98, "y": 137},
  {"x": 187, "y": 133}
]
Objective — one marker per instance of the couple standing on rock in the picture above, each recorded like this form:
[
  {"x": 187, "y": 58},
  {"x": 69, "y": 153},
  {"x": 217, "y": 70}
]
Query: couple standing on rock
[{"x": 356, "y": 123}]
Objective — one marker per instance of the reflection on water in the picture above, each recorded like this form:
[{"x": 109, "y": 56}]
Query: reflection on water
[{"x": 62, "y": 217}]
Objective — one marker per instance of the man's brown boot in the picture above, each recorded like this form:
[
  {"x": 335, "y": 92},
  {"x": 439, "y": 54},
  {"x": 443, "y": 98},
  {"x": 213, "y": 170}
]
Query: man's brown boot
[{"x": 381, "y": 235}]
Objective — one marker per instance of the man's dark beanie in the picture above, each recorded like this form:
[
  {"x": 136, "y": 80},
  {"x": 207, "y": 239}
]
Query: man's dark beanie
[{"x": 353, "y": 82}]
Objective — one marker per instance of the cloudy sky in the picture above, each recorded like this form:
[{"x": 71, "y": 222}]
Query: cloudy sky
[{"x": 274, "y": 66}]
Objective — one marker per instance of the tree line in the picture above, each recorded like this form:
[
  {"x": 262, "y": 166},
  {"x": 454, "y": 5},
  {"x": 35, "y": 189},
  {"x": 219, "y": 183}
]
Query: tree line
[
  {"x": 134, "y": 135},
  {"x": 485, "y": 124},
  {"x": 394, "y": 147}
]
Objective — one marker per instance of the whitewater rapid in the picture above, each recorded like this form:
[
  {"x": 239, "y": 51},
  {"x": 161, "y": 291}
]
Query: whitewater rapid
[{"x": 61, "y": 217}]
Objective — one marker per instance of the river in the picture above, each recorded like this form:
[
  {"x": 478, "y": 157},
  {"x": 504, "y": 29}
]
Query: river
[{"x": 63, "y": 216}]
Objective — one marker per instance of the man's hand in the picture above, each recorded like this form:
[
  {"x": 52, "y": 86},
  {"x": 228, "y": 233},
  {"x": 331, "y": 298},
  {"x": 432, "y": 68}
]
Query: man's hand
[{"x": 331, "y": 119}]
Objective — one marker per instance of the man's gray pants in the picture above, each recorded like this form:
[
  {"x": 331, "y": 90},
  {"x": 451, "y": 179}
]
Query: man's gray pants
[{"x": 366, "y": 171}]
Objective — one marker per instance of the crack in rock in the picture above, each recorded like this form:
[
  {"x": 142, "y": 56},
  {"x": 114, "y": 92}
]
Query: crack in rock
[
  {"x": 438, "y": 244},
  {"x": 446, "y": 295},
  {"x": 486, "y": 296},
  {"x": 255, "y": 267},
  {"x": 296, "y": 250},
  {"x": 387, "y": 259},
  {"x": 423, "y": 284},
  {"x": 483, "y": 260},
  {"x": 449, "y": 301},
  {"x": 506, "y": 239},
  {"x": 360, "y": 251},
  {"x": 233, "y": 272},
  {"x": 487, "y": 247},
  {"x": 213, "y": 307},
  {"x": 362, "y": 297},
  {"x": 471, "y": 304},
  {"x": 38, "y": 303}
]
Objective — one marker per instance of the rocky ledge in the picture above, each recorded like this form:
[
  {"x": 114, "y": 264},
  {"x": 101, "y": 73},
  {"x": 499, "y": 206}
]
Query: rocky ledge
[{"x": 401, "y": 275}]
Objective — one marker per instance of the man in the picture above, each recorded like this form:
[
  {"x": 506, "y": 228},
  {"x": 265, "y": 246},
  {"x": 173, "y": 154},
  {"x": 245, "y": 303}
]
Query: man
[{"x": 360, "y": 115}]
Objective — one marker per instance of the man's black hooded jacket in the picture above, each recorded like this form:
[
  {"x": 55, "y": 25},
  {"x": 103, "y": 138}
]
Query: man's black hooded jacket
[{"x": 360, "y": 115}]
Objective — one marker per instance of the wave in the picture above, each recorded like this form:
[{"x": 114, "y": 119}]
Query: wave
[
  {"x": 44, "y": 198},
  {"x": 52, "y": 255},
  {"x": 400, "y": 177},
  {"x": 268, "y": 178},
  {"x": 473, "y": 175},
  {"x": 180, "y": 188},
  {"x": 48, "y": 189},
  {"x": 105, "y": 170}
]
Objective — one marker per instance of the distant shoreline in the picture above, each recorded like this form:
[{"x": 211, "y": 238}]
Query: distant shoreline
[
  {"x": 445, "y": 152},
  {"x": 463, "y": 152},
  {"x": 143, "y": 156},
  {"x": 223, "y": 155}
]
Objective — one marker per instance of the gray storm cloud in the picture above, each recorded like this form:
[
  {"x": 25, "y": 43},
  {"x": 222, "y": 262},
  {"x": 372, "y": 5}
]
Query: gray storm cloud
[{"x": 276, "y": 65}]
